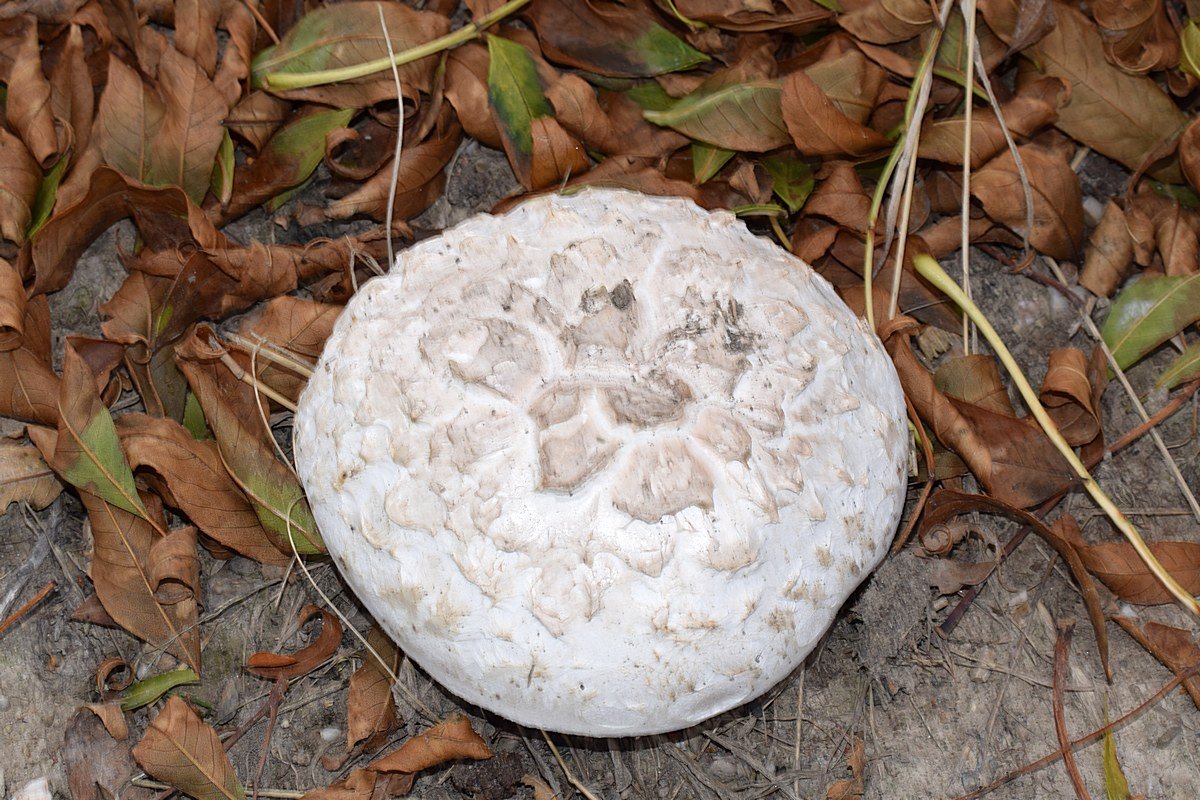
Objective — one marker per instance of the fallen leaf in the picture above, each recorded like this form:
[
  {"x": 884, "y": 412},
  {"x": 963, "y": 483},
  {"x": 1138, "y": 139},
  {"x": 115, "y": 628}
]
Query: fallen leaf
[
  {"x": 370, "y": 707},
  {"x": 609, "y": 39},
  {"x": 748, "y": 15},
  {"x": 181, "y": 750},
  {"x": 1108, "y": 255},
  {"x": 12, "y": 306},
  {"x": 349, "y": 34},
  {"x": 256, "y": 117},
  {"x": 743, "y": 116},
  {"x": 420, "y": 177},
  {"x": 1148, "y": 313},
  {"x": 449, "y": 740},
  {"x": 195, "y": 23},
  {"x": 98, "y": 766},
  {"x": 1185, "y": 368},
  {"x": 166, "y": 134},
  {"x": 25, "y": 477},
  {"x": 111, "y": 714},
  {"x": 1138, "y": 36},
  {"x": 1012, "y": 458},
  {"x": 72, "y": 99},
  {"x": 149, "y": 690},
  {"x": 1119, "y": 567},
  {"x": 1174, "y": 647},
  {"x": 1071, "y": 393},
  {"x": 887, "y": 21},
  {"x": 1035, "y": 106},
  {"x": 851, "y": 788},
  {"x": 1057, "y": 199},
  {"x": 128, "y": 555},
  {"x": 850, "y": 81},
  {"x": 467, "y": 91},
  {"x": 19, "y": 183},
  {"x": 292, "y": 325},
  {"x": 577, "y": 109},
  {"x": 792, "y": 180},
  {"x": 1126, "y": 117},
  {"x": 818, "y": 127},
  {"x": 27, "y": 105},
  {"x": 190, "y": 476},
  {"x": 272, "y": 488},
  {"x": 86, "y": 451},
  {"x": 306, "y": 659},
  {"x": 975, "y": 379},
  {"x": 287, "y": 160}
]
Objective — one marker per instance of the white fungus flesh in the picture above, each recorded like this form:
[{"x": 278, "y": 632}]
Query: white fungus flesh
[{"x": 606, "y": 464}]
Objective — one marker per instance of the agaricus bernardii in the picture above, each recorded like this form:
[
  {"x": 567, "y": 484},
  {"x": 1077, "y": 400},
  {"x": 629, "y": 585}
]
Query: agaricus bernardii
[{"x": 606, "y": 464}]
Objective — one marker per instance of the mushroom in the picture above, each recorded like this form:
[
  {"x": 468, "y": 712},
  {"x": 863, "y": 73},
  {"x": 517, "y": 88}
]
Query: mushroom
[{"x": 607, "y": 464}]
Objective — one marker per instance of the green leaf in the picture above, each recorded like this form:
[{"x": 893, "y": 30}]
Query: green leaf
[
  {"x": 222, "y": 174},
  {"x": 1115, "y": 785},
  {"x": 146, "y": 691},
  {"x": 301, "y": 142},
  {"x": 1185, "y": 368},
  {"x": 744, "y": 116},
  {"x": 1149, "y": 313},
  {"x": 87, "y": 453},
  {"x": 793, "y": 180},
  {"x": 1189, "y": 48},
  {"x": 47, "y": 194},
  {"x": 707, "y": 161},
  {"x": 662, "y": 51},
  {"x": 515, "y": 94},
  {"x": 193, "y": 418},
  {"x": 651, "y": 96}
]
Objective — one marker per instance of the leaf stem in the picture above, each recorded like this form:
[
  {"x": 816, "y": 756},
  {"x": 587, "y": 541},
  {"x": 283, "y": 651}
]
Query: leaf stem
[
  {"x": 933, "y": 272},
  {"x": 284, "y": 81}
]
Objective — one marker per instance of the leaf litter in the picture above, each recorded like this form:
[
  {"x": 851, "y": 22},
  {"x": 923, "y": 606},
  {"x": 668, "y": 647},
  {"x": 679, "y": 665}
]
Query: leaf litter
[{"x": 171, "y": 116}]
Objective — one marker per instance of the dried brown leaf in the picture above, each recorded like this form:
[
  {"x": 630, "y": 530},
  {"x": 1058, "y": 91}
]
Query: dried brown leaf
[
  {"x": 19, "y": 181},
  {"x": 25, "y": 477},
  {"x": 190, "y": 476},
  {"x": 1174, "y": 647},
  {"x": 1057, "y": 198},
  {"x": 1035, "y": 106},
  {"x": 467, "y": 91},
  {"x": 306, "y": 659},
  {"x": 556, "y": 154},
  {"x": 72, "y": 99},
  {"x": 370, "y": 707},
  {"x": 578, "y": 111},
  {"x": 1138, "y": 36},
  {"x": 1071, "y": 393},
  {"x": 751, "y": 15},
  {"x": 28, "y": 387},
  {"x": 818, "y": 127},
  {"x": 1119, "y": 567},
  {"x": 1108, "y": 256},
  {"x": 256, "y": 117},
  {"x": 12, "y": 306},
  {"x": 28, "y": 101},
  {"x": 181, "y": 750},
  {"x": 449, "y": 740},
  {"x": 888, "y": 21},
  {"x": 98, "y": 766},
  {"x": 297, "y": 326},
  {"x": 975, "y": 379},
  {"x": 125, "y": 560}
]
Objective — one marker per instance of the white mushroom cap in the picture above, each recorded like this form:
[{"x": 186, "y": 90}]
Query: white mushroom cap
[{"x": 607, "y": 464}]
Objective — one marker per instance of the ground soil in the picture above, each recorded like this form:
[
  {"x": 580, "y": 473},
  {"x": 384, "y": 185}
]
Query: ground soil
[{"x": 937, "y": 716}]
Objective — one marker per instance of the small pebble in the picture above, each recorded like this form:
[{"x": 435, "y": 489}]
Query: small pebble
[
  {"x": 37, "y": 789},
  {"x": 330, "y": 734},
  {"x": 3, "y": 703}
]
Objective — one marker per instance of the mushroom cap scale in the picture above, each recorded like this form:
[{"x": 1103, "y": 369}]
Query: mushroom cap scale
[{"x": 606, "y": 464}]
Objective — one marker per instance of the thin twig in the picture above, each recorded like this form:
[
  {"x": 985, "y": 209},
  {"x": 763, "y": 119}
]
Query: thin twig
[
  {"x": 23, "y": 610},
  {"x": 570, "y": 776},
  {"x": 391, "y": 199},
  {"x": 1062, "y": 652}
]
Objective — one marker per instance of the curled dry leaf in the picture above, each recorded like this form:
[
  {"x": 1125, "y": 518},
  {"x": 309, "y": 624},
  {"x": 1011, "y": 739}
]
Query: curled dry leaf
[
  {"x": 306, "y": 659},
  {"x": 113, "y": 718},
  {"x": 12, "y": 306},
  {"x": 467, "y": 91},
  {"x": 1071, "y": 393},
  {"x": 189, "y": 475},
  {"x": 420, "y": 177},
  {"x": 1189, "y": 153},
  {"x": 748, "y": 15},
  {"x": 578, "y": 111},
  {"x": 349, "y": 34},
  {"x": 25, "y": 477},
  {"x": 888, "y": 21},
  {"x": 1057, "y": 198},
  {"x": 72, "y": 99},
  {"x": 370, "y": 707},
  {"x": 1138, "y": 36},
  {"x": 27, "y": 104},
  {"x": 29, "y": 389},
  {"x": 1176, "y": 235},
  {"x": 181, "y": 750},
  {"x": 19, "y": 181},
  {"x": 256, "y": 117}
]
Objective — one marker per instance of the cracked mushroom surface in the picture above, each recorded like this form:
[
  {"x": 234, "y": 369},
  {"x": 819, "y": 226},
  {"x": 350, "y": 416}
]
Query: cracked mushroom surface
[{"x": 607, "y": 464}]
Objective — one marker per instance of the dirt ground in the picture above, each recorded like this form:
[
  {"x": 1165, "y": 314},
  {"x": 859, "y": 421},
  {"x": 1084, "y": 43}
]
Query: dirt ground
[{"x": 937, "y": 716}]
